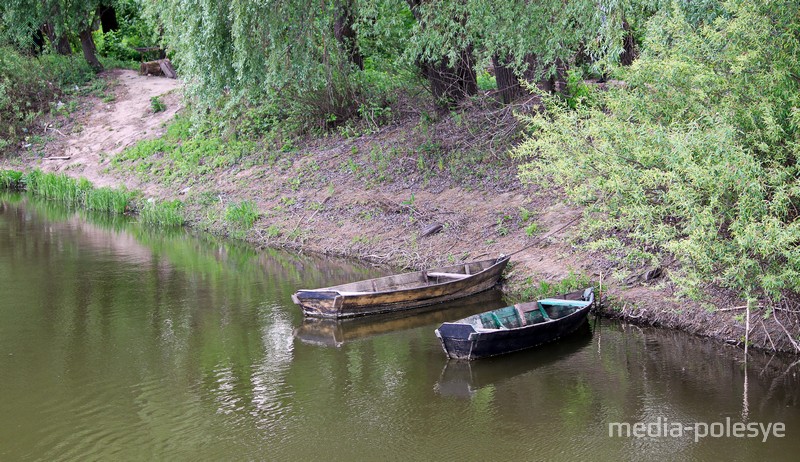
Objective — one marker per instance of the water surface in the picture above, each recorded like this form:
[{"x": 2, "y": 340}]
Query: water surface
[{"x": 122, "y": 343}]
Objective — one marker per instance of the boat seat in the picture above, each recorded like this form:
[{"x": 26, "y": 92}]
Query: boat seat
[
  {"x": 521, "y": 315},
  {"x": 448, "y": 275}
]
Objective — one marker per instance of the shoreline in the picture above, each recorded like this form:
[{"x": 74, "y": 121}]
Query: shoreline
[{"x": 374, "y": 197}]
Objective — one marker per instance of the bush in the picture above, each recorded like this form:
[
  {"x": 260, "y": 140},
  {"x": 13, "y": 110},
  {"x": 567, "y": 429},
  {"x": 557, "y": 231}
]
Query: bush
[
  {"x": 29, "y": 85},
  {"x": 696, "y": 157}
]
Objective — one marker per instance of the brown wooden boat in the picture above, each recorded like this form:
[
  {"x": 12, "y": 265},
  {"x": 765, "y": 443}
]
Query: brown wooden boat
[
  {"x": 402, "y": 291},
  {"x": 337, "y": 332}
]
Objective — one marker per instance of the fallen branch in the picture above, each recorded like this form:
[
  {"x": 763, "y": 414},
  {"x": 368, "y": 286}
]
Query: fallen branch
[
  {"x": 767, "y": 332},
  {"x": 794, "y": 344}
]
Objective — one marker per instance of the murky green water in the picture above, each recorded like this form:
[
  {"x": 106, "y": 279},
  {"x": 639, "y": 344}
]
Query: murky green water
[{"x": 118, "y": 343}]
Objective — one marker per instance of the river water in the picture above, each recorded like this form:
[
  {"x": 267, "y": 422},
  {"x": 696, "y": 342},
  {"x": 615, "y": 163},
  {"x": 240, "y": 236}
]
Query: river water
[{"x": 123, "y": 343}]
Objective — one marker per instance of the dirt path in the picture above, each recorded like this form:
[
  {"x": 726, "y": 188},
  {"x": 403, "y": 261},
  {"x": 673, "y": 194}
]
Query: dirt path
[{"x": 108, "y": 128}]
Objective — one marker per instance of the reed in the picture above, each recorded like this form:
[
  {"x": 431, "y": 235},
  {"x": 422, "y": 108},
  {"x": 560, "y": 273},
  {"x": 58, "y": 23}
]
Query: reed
[
  {"x": 80, "y": 193},
  {"x": 109, "y": 200},
  {"x": 162, "y": 214},
  {"x": 10, "y": 179}
]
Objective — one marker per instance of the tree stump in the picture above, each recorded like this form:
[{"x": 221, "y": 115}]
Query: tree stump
[{"x": 161, "y": 67}]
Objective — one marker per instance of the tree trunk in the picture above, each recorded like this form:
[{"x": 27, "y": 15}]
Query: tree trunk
[
  {"x": 507, "y": 82},
  {"x": 108, "y": 17},
  {"x": 344, "y": 33},
  {"x": 629, "y": 46},
  {"x": 60, "y": 43},
  {"x": 89, "y": 49},
  {"x": 449, "y": 83}
]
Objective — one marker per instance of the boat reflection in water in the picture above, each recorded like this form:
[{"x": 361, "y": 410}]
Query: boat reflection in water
[
  {"x": 335, "y": 333},
  {"x": 462, "y": 379}
]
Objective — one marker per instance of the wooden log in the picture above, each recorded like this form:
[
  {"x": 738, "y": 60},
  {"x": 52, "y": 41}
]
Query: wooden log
[
  {"x": 167, "y": 69},
  {"x": 150, "y": 68},
  {"x": 160, "y": 67},
  {"x": 432, "y": 229}
]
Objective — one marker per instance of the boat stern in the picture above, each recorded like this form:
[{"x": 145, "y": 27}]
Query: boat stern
[
  {"x": 319, "y": 304},
  {"x": 456, "y": 339}
]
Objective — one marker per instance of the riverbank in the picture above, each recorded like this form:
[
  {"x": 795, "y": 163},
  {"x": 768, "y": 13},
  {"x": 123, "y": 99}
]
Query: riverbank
[{"x": 375, "y": 194}]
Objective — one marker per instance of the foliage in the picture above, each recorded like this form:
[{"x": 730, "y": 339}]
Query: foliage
[
  {"x": 10, "y": 179},
  {"x": 553, "y": 31},
  {"x": 29, "y": 86},
  {"x": 22, "y": 20},
  {"x": 543, "y": 289},
  {"x": 156, "y": 105},
  {"x": 135, "y": 30},
  {"x": 107, "y": 200},
  {"x": 696, "y": 156}
]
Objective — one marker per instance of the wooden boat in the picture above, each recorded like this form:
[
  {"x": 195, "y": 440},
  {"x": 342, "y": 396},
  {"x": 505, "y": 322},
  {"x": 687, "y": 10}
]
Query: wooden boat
[
  {"x": 463, "y": 379},
  {"x": 515, "y": 328},
  {"x": 401, "y": 292},
  {"x": 337, "y": 332}
]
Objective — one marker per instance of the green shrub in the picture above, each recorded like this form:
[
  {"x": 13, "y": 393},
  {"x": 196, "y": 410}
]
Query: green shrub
[
  {"x": 157, "y": 105},
  {"x": 29, "y": 87},
  {"x": 695, "y": 157}
]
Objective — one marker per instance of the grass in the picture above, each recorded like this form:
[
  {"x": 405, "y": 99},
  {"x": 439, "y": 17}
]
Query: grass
[
  {"x": 81, "y": 193},
  {"x": 543, "y": 289},
  {"x": 107, "y": 199},
  {"x": 242, "y": 215},
  {"x": 10, "y": 179},
  {"x": 167, "y": 214},
  {"x": 181, "y": 155}
]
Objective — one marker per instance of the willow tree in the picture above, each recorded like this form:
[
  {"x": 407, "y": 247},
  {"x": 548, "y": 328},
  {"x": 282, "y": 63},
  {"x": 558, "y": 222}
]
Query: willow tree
[
  {"x": 532, "y": 40},
  {"x": 56, "y": 19},
  {"x": 295, "y": 49}
]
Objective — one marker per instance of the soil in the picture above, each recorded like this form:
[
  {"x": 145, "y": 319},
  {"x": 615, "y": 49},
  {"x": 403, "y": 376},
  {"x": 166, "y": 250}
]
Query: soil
[{"x": 327, "y": 197}]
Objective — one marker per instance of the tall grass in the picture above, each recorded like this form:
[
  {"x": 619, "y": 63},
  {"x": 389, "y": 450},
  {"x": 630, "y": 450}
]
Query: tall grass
[
  {"x": 10, "y": 179},
  {"x": 81, "y": 193},
  {"x": 107, "y": 199},
  {"x": 163, "y": 214}
]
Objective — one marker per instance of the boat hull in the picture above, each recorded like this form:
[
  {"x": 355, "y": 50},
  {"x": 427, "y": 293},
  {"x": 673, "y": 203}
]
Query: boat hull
[
  {"x": 464, "y": 342},
  {"x": 333, "y": 303}
]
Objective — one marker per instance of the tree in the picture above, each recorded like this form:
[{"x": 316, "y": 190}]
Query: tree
[
  {"x": 696, "y": 158},
  {"x": 445, "y": 56},
  {"x": 56, "y": 19}
]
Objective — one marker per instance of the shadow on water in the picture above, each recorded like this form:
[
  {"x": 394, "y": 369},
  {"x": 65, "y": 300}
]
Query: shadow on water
[{"x": 335, "y": 333}]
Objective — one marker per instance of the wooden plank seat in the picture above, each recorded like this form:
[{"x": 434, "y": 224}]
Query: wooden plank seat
[{"x": 448, "y": 275}]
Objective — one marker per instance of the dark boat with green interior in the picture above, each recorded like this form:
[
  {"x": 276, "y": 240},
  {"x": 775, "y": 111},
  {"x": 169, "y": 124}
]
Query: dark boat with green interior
[{"x": 516, "y": 327}]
